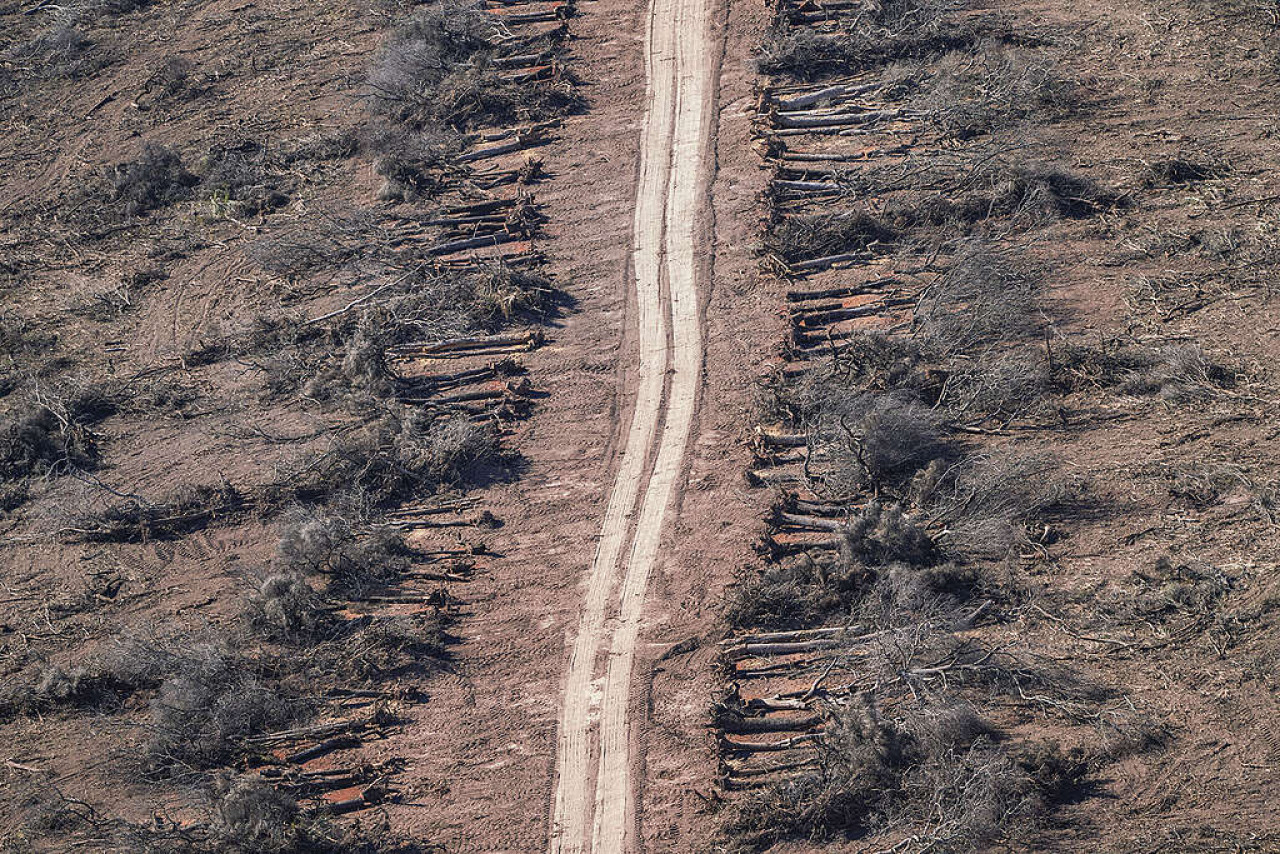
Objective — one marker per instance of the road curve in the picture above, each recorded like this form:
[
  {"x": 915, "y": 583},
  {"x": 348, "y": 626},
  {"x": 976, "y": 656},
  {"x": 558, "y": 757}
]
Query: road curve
[{"x": 593, "y": 805}]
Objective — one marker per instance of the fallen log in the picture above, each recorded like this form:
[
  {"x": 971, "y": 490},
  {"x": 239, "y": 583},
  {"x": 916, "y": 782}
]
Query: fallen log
[
  {"x": 800, "y": 87},
  {"x": 809, "y": 317},
  {"x": 775, "y": 549},
  {"x": 521, "y": 142},
  {"x": 826, "y": 261},
  {"x": 371, "y": 796},
  {"x": 788, "y": 636},
  {"x": 342, "y": 742},
  {"x": 495, "y": 239},
  {"x": 842, "y": 291},
  {"x": 770, "y": 650},
  {"x": 817, "y": 508},
  {"x": 775, "y": 768},
  {"x": 810, "y": 523},
  {"x": 822, "y": 157},
  {"x": 755, "y": 726},
  {"x": 771, "y": 704},
  {"x": 829, "y": 93},
  {"x": 529, "y": 75},
  {"x": 824, "y": 188},
  {"x": 773, "y": 477},
  {"x": 527, "y": 339},
  {"x": 769, "y": 746},
  {"x": 516, "y": 259},
  {"x": 781, "y": 440},
  {"x": 807, "y": 121},
  {"x": 356, "y": 725},
  {"x": 513, "y": 14},
  {"x": 424, "y": 510},
  {"x": 521, "y": 60}
]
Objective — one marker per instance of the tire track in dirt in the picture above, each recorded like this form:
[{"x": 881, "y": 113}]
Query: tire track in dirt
[{"x": 670, "y": 204}]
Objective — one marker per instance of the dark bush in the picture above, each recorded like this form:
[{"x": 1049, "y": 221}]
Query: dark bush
[
  {"x": 973, "y": 92},
  {"x": 985, "y": 298},
  {"x": 49, "y": 433},
  {"x": 987, "y": 500},
  {"x": 62, "y": 51},
  {"x": 173, "y": 76},
  {"x": 801, "y": 237},
  {"x": 402, "y": 454},
  {"x": 796, "y": 592},
  {"x": 871, "y": 440},
  {"x": 286, "y": 608},
  {"x": 938, "y": 771},
  {"x": 878, "y": 534},
  {"x": 155, "y": 179},
  {"x": 897, "y": 29},
  {"x": 211, "y": 700},
  {"x": 1021, "y": 196},
  {"x": 239, "y": 179},
  {"x": 313, "y": 541},
  {"x": 415, "y": 164},
  {"x": 1182, "y": 169},
  {"x": 252, "y": 814},
  {"x": 388, "y": 645},
  {"x": 436, "y": 70},
  {"x": 188, "y": 508},
  {"x": 1000, "y": 386},
  {"x": 19, "y": 337}
]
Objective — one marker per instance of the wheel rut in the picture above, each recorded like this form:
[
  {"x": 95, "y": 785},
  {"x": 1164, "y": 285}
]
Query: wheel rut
[{"x": 593, "y": 800}]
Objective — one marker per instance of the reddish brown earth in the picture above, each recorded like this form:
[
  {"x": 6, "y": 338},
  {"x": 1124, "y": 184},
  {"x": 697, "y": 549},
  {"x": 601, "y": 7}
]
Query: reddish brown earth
[{"x": 1164, "y": 76}]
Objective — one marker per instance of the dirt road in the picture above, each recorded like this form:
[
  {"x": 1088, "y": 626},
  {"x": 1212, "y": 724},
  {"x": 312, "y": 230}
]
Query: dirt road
[{"x": 670, "y": 210}]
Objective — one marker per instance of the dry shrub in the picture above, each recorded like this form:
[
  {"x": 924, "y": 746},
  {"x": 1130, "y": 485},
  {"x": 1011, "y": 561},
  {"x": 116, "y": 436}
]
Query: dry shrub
[
  {"x": 1000, "y": 386},
  {"x": 793, "y": 593},
  {"x": 250, "y": 813},
  {"x": 287, "y": 609},
  {"x": 35, "y": 441},
  {"x": 209, "y": 696},
  {"x": 389, "y": 645},
  {"x": 241, "y": 180},
  {"x": 976, "y": 91},
  {"x": 878, "y": 534},
  {"x": 49, "y": 431},
  {"x": 315, "y": 541},
  {"x": 173, "y": 77},
  {"x": 63, "y": 51},
  {"x": 844, "y": 795},
  {"x": 904, "y": 594},
  {"x": 801, "y": 237},
  {"x": 436, "y": 70},
  {"x": 1178, "y": 373},
  {"x": 938, "y": 772},
  {"x": 20, "y": 337},
  {"x": 871, "y": 440},
  {"x": 188, "y": 508},
  {"x": 234, "y": 814},
  {"x": 155, "y": 179},
  {"x": 415, "y": 164},
  {"x": 986, "y": 501},
  {"x": 405, "y": 453},
  {"x": 874, "y": 361},
  {"x": 320, "y": 147},
  {"x": 199, "y": 719},
  {"x": 1184, "y": 168},
  {"x": 883, "y": 33},
  {"x": 985, "y": 298},
  {"x": 1021, "y": 196}
]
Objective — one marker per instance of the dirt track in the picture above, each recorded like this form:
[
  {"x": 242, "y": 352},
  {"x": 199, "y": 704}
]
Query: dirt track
[{"x": 670, "y": 206}]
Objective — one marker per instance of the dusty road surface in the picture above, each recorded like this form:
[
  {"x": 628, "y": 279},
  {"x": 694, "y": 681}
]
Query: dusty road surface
[{"x": 593, "y": 797}]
